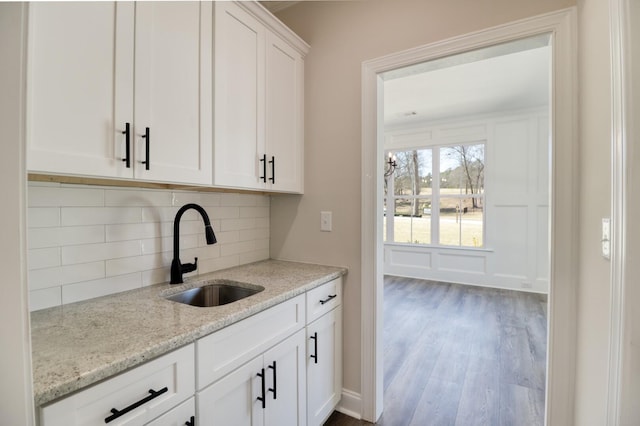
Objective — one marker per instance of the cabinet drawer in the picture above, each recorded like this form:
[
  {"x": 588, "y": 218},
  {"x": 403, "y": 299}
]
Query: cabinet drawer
[
  {"x": 173, "y": 371},
  {"x": 227, "y": 349},
  {"x": 322, "y": 299},
  {"x": 179, "y": 416}
]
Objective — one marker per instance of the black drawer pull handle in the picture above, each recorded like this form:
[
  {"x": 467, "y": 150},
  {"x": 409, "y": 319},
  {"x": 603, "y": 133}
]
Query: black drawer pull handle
[
  {"x": 315, "y": 347},
  {"x": 191, "y": 422},
  {"x": 127, "y": 138},
  {"x": 274, "y": 389},
  {"x": 115, "y": 413},
  {"x": 331, "y": 296},
  {"x": 273, "y": 169},
  {"x": 263, "y": 397},
  {"x": 263, "y": 160},
  {"x": 147, "y": 139}
]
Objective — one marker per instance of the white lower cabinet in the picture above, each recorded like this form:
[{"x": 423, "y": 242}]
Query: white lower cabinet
[
  {"x": 182, "y": 415},
  {"x": 324, "y": 351},
  {"x": 268, "y": 369},
  {"x": 132, "y": 398},
  {"x": 268, "y": 390}
]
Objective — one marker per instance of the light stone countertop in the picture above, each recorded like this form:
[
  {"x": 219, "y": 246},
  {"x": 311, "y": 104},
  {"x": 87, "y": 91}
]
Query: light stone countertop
[{"x": 79, "y": 344}]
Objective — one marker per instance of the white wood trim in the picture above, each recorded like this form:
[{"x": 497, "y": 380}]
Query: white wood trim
[
  {"x": 275, "y": 25},
  {"x": 350, "y": 404},
  {"x": 562, "y": 306},
  {"x": 16, "y": 389},
  {"x": 619, "y": 147}
]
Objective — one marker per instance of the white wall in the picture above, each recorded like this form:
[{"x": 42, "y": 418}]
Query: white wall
[
  {"x": 342, "y": 35},
  {"x": 595, "y": 203},
  {"x": 89, "y": 241},
  {"x": 516, "y": 244}
]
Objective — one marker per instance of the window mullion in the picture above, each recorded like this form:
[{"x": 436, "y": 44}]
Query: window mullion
[{"x": 435, "y": 195}]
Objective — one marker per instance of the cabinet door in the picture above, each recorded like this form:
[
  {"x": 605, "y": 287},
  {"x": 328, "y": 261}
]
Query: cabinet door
[
  {"x": 239, "y": 98},
  {"x": 286, "y": 382},
  {"x": 79, "y": 87},
  {"x": 324, "y": 366},
  {"x": 284, "y": 115},
  {"x": 233, "y": 400},
  {"x": 173, "y": 51},
  {"x": 181, "y": 415}
]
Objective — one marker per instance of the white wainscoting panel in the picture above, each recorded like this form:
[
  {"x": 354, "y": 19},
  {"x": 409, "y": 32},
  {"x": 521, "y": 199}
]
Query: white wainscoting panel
[{"x": 516, "y": 241}]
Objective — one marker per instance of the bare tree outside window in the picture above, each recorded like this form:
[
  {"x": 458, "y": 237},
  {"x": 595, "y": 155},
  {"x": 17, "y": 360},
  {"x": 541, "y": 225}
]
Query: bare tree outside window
[{"x": 459, "y": 195}]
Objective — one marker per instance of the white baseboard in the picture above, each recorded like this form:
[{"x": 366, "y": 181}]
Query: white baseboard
[{"x": 350, "y": 404}]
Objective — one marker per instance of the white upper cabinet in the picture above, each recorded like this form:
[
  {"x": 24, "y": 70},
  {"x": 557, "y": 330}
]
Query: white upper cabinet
[
  {"x": 284, "y": 112},
  {"x": 80, "y": 87},
  {"x": 239, "y": 97},
  {"x": 94, "y": 67},
  {"x": 258, "y": 112},
  {"x": 173, "y": 91}
]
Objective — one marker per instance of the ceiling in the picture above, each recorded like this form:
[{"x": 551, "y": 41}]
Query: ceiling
[
  {"x": 275, "y": 6},
  {"x": 496, "y": 79}
]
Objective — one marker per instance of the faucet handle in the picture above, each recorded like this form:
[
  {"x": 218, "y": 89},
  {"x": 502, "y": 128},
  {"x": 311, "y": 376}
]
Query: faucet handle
[{"x": 190, "y": 267}]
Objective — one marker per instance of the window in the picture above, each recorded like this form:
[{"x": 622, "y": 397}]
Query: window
[{"x": 436, "y": 196}]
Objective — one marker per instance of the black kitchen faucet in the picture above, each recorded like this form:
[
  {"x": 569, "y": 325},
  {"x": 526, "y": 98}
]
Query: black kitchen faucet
[{"x": 177, "y": 268}]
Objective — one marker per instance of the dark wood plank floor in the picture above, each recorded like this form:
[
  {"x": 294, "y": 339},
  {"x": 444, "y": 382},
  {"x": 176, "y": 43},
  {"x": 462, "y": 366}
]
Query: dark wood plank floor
[{"x": 461, "y": 355}]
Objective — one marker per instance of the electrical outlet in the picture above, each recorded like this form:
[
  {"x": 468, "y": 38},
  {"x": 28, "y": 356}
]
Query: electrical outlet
[{"x": 325, "y": 221}]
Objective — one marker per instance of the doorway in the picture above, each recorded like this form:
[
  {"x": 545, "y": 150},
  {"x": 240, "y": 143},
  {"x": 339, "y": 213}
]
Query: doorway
[
  {"x": 466, "y": 205},
  {"x": 563, "y": 236}
]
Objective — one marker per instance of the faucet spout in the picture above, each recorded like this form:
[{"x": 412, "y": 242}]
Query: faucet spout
[{"x": 177, "y": 268}]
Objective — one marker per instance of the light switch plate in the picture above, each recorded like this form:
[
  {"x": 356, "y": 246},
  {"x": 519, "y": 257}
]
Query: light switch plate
[{"x": 325, "y": 221}]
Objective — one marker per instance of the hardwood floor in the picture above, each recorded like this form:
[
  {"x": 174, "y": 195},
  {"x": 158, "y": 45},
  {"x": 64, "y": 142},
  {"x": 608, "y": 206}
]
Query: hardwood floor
[{"x": 461, "y": 355}]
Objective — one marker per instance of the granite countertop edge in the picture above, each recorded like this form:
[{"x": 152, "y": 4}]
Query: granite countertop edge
[{"x": 55, "y": 378}]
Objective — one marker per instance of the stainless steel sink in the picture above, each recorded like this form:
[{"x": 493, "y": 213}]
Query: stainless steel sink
[{"x": 215, "y": 294}]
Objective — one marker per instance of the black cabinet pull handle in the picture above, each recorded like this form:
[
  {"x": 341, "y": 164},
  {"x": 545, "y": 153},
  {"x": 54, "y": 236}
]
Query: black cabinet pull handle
[
  {"x": 315, "y": 347},
  {"x": 115, "y": 413},
  {"x": 147, "y": 138},
  {"x": 331, "y": 296},
  {"x": 263, "y": 397},
  {"x": 263, "y": 160},
  {"x": 127, "y": 138},
  {"x": 274, "y": 389},
  {"x": 191, "y": 422},
  {"x": 273, "y": 169}
]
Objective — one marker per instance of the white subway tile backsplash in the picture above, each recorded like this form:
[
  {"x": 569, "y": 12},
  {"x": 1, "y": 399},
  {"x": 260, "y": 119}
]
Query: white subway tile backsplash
[
  {"x": 88, "y": 241},
  {"x": 72, "y": 235},
  {"x": 43, "y": 217},
  {"x": 44, "y": 258},
  {"x": 254, "y": 211},
  {"x": 90, "y": 289},
  {"x": 128, "y": 265},
  {"x": 135, "y": 197},
  {"x": 82, "y": 272},
  {"x": 225, "y": 212},
  {"x": 210, "y": 265},
  {"x": 209, "y": 199},
  {"x": 75, "y": 216},
  {"x": 180, "y": 198},
  {"x": 44, "y": 237},
  {"x": 45, "y": 278},
  {"x": 253, "y": 234},
  {"x": 45, "y": 298},
  {"x": 136, "y": 231},
  {"x": 237, "y": 224},
  {"x": 254, "y": 256},
  {"x": 92, "y": 252},
  {"x": 155, "y": 276}
]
